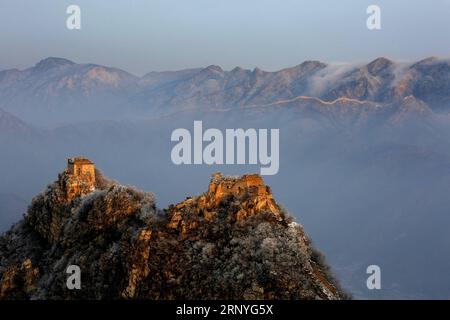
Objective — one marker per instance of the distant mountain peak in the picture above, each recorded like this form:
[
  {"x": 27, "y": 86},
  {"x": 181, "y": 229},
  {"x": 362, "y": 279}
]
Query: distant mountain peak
[
  {"x": 214, "y": 68},
  {"x": 379, "y": 65},
  {"x": 211, "y": 71},
  {"x": 52, "y": 62},
  {"x": 237, "y": 70},
  {"x": 382, "y": 60},
  {"x": 313, "y": 63},
  {"x": 258, "y": 71}
]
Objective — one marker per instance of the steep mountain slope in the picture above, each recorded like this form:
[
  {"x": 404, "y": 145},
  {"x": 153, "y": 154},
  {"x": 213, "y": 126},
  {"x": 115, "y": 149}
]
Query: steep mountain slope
[
  {"x": 232, "y": 242},
  {"x": 370, "y": 82},
  {"x": 429, "y": 81}
]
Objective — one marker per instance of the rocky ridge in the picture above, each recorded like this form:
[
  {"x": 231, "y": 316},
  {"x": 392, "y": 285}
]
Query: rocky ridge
[{"x": 232, "y": 242}]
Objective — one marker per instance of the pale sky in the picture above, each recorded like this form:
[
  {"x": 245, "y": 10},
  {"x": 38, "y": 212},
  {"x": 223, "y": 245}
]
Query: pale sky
[{"x": 152, "y": 35}]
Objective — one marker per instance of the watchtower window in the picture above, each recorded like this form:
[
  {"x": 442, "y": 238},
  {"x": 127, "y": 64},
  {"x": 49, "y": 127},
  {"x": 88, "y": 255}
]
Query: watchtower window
[{"x": 79, "y": 171}]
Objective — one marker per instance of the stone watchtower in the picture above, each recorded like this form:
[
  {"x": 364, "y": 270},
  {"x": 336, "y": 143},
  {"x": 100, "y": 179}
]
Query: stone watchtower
[
  {"x": 80, "y": 166},
  {"x": 80, "y": 177}
]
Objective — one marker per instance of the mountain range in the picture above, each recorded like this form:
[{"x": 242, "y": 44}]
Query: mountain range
[{"x": 61, "y": 91}]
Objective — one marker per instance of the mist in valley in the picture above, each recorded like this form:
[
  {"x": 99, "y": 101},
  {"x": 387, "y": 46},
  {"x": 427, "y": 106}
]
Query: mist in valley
[{"x": 364, "y": 195}]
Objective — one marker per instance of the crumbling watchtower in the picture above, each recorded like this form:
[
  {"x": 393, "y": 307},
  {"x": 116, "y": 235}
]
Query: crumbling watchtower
[
  {"x": 81, "y": 167},
  {"x": 80, "y": 177}
]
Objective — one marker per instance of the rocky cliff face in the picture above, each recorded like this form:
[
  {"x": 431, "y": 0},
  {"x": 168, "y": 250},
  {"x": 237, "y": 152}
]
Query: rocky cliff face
[{"x": 232, "y": 242}]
